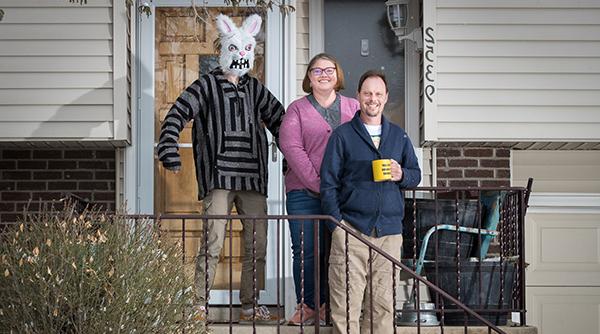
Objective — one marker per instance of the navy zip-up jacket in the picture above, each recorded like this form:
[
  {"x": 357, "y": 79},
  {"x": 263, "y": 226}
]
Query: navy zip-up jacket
[{"x": 347, "y": 188}]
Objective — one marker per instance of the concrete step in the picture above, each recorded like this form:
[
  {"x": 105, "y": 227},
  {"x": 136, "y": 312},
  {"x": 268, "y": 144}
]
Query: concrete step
[{"x": 243, "y": 329}]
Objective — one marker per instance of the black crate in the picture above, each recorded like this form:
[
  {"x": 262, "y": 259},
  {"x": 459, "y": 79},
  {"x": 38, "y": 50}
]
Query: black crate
[{"x": 480, "y": 288}]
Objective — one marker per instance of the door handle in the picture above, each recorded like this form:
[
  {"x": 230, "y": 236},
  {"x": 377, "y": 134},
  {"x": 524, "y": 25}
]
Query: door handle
[{"x": 274, "y": 154}]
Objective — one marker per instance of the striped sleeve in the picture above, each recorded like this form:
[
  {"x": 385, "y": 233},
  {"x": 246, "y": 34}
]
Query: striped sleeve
[
  {"x": 271, "y": 110},
  {"x": 185, "y": 108}
]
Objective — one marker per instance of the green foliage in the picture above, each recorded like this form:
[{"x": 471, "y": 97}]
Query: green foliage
[{"x": 61, "y": 272}]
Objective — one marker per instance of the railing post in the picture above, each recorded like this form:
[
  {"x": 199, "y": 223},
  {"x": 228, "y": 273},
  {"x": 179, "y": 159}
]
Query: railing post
[
  {"x": 230, "y": 221},
  {"x": 347, "y": 283},
  {"x": 302, "y": 222},
  {"x": 416, "y": 287},
  {"x": 479, "y": 217},
  {"x": 394, "y": 287},
  {"x": 278, "y": 250},
  {"x": 371, "y": 289},
  {"x": 206, "y": 280},
  {"x": 317, "y": 276},
  {"x": 523, "y": 209},
  {"x": 254, "y": 280}
]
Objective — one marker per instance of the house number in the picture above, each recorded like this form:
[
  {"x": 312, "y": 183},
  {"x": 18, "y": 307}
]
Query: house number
[{"x": 429, "y": 53}]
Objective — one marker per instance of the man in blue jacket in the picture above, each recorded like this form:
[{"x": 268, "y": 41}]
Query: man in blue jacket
[{"x": 372, "y": 209}]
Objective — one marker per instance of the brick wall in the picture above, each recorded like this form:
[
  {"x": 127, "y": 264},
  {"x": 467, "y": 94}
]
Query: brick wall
[
  {"x": 31, "y": 177},
  {"x": 473, "y": 167}
]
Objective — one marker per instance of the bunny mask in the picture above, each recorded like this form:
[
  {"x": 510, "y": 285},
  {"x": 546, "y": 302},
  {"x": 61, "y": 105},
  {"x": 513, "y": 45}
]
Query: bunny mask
[{"x": 237, "y": 44}]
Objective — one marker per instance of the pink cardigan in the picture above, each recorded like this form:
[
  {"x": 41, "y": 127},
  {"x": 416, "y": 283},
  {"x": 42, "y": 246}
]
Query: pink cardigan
[{"x": 303, "y": 136}]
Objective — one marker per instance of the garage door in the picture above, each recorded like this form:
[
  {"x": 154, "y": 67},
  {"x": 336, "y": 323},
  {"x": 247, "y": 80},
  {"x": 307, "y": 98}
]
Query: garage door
[{"x": 562, "y": 239}]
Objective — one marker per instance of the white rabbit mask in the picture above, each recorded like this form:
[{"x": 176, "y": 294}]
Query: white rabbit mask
[{"x": 237, "y": 44}]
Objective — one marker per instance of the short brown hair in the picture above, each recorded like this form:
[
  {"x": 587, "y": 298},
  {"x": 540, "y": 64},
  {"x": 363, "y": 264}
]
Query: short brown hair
[
  {"x": 338, "y": 71},
  {"x": 371, "y": 74}
]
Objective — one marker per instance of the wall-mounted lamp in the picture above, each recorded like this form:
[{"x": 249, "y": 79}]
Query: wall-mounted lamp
[
  {"x": 145, "y": 7},
  {"x": 398, "y": 14}
]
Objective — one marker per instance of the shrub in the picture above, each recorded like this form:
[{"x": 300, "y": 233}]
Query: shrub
[{"x": 63, "y": 272}]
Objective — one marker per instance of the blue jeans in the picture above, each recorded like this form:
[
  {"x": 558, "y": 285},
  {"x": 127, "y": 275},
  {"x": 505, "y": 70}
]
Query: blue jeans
[{"x": 302, "y": 202}]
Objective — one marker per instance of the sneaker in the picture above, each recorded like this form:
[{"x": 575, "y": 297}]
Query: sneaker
[
  {"x": 323, "y": 314},
  {"x": 304, "y": 315},
  {"x": 260, "y": 314}
]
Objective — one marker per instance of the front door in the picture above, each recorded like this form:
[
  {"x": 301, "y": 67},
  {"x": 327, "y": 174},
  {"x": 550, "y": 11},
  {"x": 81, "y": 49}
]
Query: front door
[
  {"x": 184, "y": 50},
  {"x": 365, "y": 46}
]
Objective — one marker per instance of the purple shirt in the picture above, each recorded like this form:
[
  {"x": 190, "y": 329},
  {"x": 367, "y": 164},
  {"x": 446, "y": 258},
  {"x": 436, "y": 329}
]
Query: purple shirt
[{"x": 303, "y": 136}]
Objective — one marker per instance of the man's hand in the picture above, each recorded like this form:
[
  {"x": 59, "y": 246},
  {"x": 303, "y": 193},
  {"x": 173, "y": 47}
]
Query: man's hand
[
  {"x": 174, "y": 170},
  {"x": 396, "y": 171}
]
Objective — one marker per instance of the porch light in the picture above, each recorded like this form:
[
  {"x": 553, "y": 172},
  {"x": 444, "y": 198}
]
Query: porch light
[{"x": 397, "y": 14}]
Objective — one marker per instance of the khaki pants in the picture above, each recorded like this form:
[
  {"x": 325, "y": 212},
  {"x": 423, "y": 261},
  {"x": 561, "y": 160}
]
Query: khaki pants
[
  {"x": 220, "y": 202},
  {"x": 359, "y": 287}
]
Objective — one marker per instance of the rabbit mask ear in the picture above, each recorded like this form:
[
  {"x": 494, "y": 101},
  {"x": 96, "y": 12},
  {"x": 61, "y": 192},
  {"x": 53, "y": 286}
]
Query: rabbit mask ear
[
  {"x": 252, "y": 24},
  {"x": 237, "y": 44},
  {"x": 225, "y": 25}
]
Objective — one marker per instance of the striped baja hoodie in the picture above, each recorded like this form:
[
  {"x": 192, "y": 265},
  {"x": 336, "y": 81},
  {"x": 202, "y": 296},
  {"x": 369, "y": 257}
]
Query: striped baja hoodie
[{"x": 228, "y": 136}]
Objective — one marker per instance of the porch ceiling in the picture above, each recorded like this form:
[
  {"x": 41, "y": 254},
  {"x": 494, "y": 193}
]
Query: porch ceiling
[{"x": 555, "y": 146}]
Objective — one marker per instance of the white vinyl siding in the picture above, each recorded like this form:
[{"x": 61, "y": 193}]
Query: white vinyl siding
[
  {"x": 557, "y": 171},
  {"x": 302, "y": 43},
  {"x": 64, "y": 72},
  {"x": 512, "y": 71},
  {"x": 427, "y": 166}
]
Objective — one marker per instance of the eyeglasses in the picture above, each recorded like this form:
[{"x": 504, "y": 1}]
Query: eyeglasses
[{"x": 317, "y": 71}]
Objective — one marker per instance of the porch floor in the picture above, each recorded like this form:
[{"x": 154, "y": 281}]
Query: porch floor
[{"x": 241, "y": 329}]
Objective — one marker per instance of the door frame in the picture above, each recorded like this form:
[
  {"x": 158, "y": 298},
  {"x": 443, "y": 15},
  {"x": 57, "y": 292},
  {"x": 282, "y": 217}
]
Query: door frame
[{"x": 280, "y": 78}]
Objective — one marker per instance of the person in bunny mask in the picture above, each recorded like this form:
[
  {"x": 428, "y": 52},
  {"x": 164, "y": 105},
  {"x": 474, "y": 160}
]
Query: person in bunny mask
[{"x": 230, "y": 110}]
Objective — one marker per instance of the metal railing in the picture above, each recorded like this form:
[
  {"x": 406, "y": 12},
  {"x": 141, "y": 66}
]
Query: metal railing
[
  {"x": 471, "y": 273},
  {"x": 501, "y": 226}
]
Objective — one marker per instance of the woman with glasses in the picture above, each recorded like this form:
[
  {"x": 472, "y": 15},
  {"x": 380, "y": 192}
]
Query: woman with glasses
[{"x": 304, "y": 132}]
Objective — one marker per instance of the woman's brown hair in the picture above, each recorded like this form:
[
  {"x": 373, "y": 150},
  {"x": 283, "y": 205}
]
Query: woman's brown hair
[{"x": 338, "y": 71}]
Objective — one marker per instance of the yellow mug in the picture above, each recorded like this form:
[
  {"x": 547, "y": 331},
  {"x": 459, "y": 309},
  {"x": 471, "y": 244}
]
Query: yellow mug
[{"x": 382, "y": 170}]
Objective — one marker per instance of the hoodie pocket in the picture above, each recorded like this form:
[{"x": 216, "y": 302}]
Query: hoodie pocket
[
  {"x": 238, "y": 154},
  {"x": 238, "y": 143}
]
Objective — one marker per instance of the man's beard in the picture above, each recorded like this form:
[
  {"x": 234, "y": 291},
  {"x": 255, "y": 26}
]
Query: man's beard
[{"x": 372, "y": 112}]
